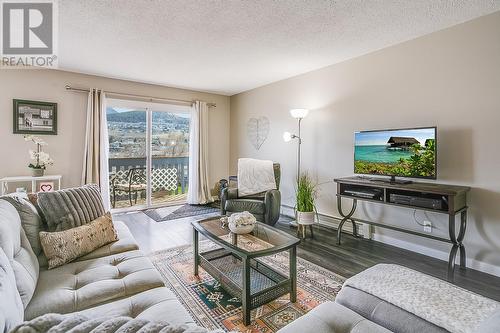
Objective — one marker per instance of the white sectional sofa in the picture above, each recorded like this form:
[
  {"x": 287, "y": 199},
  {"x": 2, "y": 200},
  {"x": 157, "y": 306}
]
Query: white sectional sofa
[
  {"x": 114, "y": 280},
  {"x": 394, "y": 299}
]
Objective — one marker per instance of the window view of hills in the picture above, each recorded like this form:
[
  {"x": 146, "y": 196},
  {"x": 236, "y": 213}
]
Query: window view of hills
[{"x": 127, "y": 134}]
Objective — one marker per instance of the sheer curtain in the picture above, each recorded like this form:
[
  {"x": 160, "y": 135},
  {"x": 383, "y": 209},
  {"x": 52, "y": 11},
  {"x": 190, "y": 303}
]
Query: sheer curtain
[
  {"x": 95, "y": 163},
  {"x": 199, "y": 189}
]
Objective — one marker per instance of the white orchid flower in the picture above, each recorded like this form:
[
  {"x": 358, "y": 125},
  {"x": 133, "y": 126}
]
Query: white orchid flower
[
  {"x": 45, "y": 159},
  {"x": 42, "y": 159},
  {"x": 43, "y": 156},
  {"x": 33, "y": 154},
  {"x": 39, "y": 141}
]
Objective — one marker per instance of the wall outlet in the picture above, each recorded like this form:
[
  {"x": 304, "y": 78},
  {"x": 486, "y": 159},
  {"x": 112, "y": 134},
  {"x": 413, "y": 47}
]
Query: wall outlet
[{"x": 427, "y": 226}]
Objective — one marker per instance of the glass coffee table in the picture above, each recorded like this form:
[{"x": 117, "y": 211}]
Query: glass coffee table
[{"x": 236, "y": 267}]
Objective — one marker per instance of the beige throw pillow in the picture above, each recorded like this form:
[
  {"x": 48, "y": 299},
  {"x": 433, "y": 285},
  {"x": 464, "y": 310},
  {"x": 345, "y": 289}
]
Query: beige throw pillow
[{"x": 62, "y": 247}]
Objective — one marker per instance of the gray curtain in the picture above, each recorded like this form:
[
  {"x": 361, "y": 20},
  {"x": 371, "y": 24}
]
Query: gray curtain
[
  {"x": 95, "y": 162},
  {"x": 199, "y": 187}
]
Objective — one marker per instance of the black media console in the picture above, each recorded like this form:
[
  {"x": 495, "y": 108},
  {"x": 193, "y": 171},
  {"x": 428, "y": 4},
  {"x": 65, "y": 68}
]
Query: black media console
[{"x": 440, "y": 198}]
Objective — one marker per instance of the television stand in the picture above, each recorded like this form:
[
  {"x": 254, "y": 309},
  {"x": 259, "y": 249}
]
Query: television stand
[{"x": 440, "y": 198}]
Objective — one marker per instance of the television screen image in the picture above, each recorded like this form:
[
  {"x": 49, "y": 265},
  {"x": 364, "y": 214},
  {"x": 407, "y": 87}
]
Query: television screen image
[{"x": 400, "y": 153}]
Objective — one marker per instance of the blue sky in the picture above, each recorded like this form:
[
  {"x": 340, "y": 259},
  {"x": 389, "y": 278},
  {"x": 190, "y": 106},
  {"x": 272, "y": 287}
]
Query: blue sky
[{"x": 381, "y": 137}]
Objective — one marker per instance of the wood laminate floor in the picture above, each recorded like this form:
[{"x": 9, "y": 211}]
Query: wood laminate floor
[{"x": 353, "y": 256}]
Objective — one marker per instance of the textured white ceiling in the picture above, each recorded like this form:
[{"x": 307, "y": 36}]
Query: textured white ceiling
[{"x": 229, "y": 46}]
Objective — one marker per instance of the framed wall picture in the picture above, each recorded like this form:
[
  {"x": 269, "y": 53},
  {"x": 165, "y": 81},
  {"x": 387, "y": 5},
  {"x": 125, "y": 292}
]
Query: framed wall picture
[{"x": 32, "y": 117}]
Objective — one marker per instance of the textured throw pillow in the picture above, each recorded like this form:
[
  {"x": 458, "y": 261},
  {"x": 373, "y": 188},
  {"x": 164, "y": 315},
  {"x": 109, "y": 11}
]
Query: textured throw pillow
[
  {"x": 71, "y": 207},
  {"x": 30, "y": 221},
  {"x": 33, "y": 198},
  {"x": 64, "y": 246}
]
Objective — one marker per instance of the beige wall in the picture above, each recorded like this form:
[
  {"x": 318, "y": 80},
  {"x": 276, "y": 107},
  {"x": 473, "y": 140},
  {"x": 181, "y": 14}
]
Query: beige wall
[
  {"x": 450, "y": 79},
  {"x": 67, "y": 147}
]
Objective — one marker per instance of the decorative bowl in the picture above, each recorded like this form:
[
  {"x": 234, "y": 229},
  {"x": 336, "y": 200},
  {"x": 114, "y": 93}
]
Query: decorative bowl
[{"x": 241, "y": 223}]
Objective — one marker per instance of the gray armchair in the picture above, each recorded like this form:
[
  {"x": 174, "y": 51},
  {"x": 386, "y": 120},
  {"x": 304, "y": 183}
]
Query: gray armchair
[{"x": 264, "y": 206}]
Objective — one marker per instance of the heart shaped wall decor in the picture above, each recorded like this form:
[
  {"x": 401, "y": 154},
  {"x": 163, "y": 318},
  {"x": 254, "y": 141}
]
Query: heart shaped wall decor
[{"x": 257, "y": 131}]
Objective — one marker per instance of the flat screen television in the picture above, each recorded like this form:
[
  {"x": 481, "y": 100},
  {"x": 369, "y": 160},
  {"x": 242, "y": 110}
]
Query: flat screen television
[{"x": 410, "y": 152}]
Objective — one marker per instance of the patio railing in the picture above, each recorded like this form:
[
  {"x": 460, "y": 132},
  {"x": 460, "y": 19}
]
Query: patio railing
[{"x": 181, "y": 164}]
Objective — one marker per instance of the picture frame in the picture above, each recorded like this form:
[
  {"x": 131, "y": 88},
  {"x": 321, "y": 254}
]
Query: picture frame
[{"x": 34, "y": 117}]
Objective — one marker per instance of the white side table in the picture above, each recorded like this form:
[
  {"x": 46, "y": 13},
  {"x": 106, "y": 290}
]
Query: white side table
[{"x": 4, "y": 182}]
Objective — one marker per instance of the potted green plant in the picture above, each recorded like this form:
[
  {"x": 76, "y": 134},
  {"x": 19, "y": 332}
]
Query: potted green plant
[
  {"x": 306, "y": 195},
  {"x": 40, "y": 159}
]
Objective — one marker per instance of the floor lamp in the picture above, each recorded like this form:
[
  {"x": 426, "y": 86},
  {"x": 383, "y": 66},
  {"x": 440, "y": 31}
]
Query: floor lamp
[{"x": 298, "y": 114}]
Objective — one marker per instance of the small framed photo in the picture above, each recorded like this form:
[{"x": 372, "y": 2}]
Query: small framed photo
[{"x": 32, "y": 117}]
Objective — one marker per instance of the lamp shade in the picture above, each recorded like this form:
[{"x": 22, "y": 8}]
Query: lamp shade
[
  {"x": 299, "y": 113},
  {"x": 287, "y": 136}
]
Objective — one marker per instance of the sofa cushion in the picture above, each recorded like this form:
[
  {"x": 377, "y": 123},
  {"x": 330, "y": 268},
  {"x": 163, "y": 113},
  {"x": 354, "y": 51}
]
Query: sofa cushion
[
  {"x": 54, "y": 322},
  {"x": 11, "y": 305},
  {"x": 384, "y": 313},
  {"x": 490, "y": 325},
  {"x": 33, "y": 199},
  {"x": 83, "y": 284},
  {"x": 126, "y": 242},
  {"x": 154, "y": 304},
  {"x": 331, "y": 317},
  {"x": 425, "y": 296},
  {"x": 61, "y": 247},
  {"x": 17, "y": 248},
  {"x": 30, "y": 221},
  {"x": 73, "y": 207},
  {"x": 240, "y": 205}
]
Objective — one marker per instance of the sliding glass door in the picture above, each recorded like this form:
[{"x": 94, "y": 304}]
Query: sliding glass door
[
  {"x": 170, "y": 156},
  {"x": 148, "y": 153},
  {"x": 127, "y": 131}
]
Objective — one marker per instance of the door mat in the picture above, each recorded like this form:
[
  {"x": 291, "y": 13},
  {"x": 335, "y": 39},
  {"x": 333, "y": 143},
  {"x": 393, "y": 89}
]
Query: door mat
[{"x": 164, "y": 214}]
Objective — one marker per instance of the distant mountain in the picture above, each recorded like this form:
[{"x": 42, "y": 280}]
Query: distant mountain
[
  {"x": 110, "y": 111},
  {"x": 140, "y": 116}
]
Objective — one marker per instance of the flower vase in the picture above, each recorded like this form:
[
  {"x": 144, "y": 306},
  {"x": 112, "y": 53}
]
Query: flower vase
[
  {"x": 305, "y": 218},
  {"x": 37, "y": 172}
]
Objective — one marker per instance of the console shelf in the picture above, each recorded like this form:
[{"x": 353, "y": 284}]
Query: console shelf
[{"x": 440, "y": 198}]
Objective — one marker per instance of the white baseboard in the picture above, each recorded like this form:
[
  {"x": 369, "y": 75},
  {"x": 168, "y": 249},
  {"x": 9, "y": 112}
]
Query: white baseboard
[
  {"x": 364, "y": 230},
  {"x": 471, "y": 263},
  {"x": 329, "y": 221}
]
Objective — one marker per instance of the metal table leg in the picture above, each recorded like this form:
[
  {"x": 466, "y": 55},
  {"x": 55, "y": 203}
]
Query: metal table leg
[
  {"x": 293, "y": 274},
  {"x": 460, "y": 238},
  {"x": 346, "y": 217},
  {"x": 196, "y": 252},
  {"x": 245, "y": 297},
  {"x": 457, "y": 242}
]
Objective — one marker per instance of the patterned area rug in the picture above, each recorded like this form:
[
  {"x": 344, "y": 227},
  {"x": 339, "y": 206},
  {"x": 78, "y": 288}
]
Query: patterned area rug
[
  {"x": 159, "y": 214},
  {"x": 213, "y": 308}
]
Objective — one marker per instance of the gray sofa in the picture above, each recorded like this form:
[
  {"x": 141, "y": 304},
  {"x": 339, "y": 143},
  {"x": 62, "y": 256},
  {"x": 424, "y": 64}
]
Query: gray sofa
[
  {"x": 391, "y": 298},
  {"x": 114, "y": 280}
]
